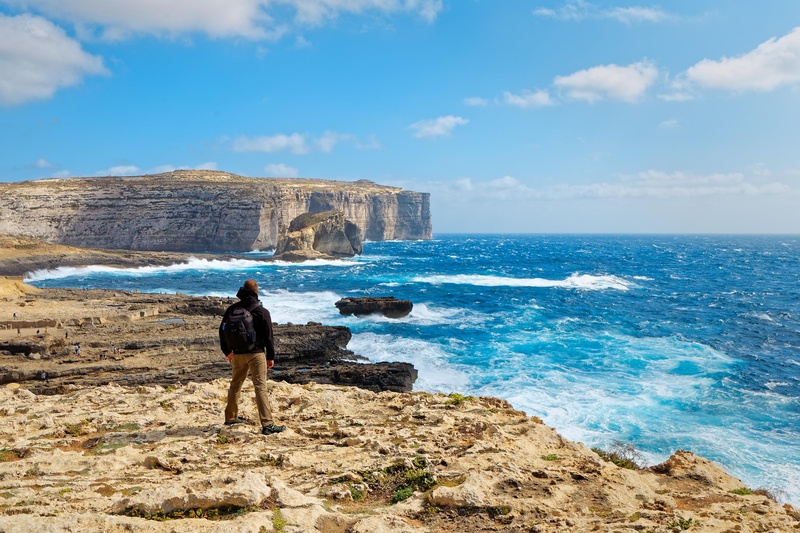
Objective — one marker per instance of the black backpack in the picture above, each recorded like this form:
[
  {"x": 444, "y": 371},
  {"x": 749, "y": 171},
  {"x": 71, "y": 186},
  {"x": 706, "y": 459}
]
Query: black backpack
[{"x": 239, "y": 332}]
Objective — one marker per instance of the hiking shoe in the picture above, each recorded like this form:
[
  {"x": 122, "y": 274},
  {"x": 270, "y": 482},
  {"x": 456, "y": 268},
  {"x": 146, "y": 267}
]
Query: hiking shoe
[
  {"x": 272, "y": 428},
  {"x": 237, "y": 421}
]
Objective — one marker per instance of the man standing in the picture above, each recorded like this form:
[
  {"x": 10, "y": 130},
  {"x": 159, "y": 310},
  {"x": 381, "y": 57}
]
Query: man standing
[{"x": 244, "y": 335}]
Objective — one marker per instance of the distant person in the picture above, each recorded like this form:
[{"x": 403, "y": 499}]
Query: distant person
[{"x": 244, "y": 337}]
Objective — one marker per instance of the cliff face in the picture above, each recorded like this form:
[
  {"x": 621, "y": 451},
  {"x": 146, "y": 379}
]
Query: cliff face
[{"x": 199, "y": 211}]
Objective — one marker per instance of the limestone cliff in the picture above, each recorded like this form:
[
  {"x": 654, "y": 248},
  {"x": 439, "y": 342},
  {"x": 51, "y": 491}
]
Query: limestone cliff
[{"x": 200, "y": 211}]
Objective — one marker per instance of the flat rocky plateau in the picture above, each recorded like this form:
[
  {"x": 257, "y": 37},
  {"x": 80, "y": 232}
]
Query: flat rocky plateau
[{"x": 130, "y": 437}]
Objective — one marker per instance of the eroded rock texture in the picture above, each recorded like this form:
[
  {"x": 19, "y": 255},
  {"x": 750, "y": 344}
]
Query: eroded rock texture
[
  {"x": 325, "y": 232},
  {"x": 200, "y": 211}
]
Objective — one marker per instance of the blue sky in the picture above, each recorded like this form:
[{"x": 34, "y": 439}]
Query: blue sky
[{"x": 517, "y": 116}]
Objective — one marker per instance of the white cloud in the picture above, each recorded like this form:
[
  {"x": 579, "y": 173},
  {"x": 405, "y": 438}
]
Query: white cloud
[
  {"x": 279, "y": 170},
  {"x": 298, "y": 143},
  {"x": 295, "y": 143},
  {"x": 316, "y": 12},
  {"x": 328, "y": 141},
  {"x": 476, "y": 101},
  {"x": 251, "y": 19},
  {"x": 437, "y": 127},
  {"x": 161, "y": 169},
  {"x": 677, "y": 95},
  {"x": 760, "y": 170},
  {"x": 581, "y": 10},
  {"x": 122, "y": 18},
  {"x": 628, "y": 83},
  {"x": 528, "y": 99},
  {"x": 43, "y": 163},
  {"x": 649, "y": 184},
  {"x": 37, "y": 58},
  {"x": 629, "y": 15},
  {"x": 669, "y": 124},
  {"x": 774, "y": 63},
  {"x": 121, "y": 170},
  {"x": 370, "y": 143}
]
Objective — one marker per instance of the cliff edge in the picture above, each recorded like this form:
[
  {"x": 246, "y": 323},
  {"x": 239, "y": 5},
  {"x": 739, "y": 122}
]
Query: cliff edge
[
  {"x": 200, "y": 210},
  {"x": 157, "y": 459}
]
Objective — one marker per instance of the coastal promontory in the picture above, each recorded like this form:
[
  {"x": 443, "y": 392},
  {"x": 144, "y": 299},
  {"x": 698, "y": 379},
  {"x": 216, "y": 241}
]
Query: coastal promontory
[{"x": 200, "y": 210}]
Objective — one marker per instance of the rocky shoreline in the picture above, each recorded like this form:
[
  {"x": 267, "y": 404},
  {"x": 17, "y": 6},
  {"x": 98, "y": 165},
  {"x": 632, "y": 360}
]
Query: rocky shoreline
[
  {"x": 127, "y": 435},
  {"x": 62, "y": 338}
]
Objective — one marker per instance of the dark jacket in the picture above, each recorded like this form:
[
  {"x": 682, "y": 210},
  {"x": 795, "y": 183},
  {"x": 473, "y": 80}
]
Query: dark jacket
[{"x": 262, "y": 322}]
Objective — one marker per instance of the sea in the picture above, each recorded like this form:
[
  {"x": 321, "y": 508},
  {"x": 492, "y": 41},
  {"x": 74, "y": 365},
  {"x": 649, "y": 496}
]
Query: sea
[{"x": 660, "y": 342}]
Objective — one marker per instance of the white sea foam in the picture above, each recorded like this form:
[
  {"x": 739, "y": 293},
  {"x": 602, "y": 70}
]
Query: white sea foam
[
  {"x": 192, "y": 264},
  {"x": 436, "y": 374},
  {"x": 424, "y": 314},
  {"x": 662, "y": 393},
  {"x": 575, "y": 281},
  {"x": 772, "y": 385},
  {"x": 314, "y": 263},
  {"x": 762, "y": 316},
  {"x": 302, "y": 307}
]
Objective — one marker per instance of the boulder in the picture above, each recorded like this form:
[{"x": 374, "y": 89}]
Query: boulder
[
  {"x": 387, "y": 306},
  {"x": 325, "y": 233}
]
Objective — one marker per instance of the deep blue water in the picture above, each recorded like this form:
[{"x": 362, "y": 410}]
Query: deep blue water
[{"x": 663, "y": 342}]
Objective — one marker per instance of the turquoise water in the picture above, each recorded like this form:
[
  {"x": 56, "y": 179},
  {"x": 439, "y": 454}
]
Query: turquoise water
[{"x": 664, "y": 342}]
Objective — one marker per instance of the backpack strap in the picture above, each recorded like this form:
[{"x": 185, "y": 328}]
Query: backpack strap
[{"x": 251, "y": 307}]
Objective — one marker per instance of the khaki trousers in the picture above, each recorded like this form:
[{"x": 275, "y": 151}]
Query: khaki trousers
[{"x": 256, "y": 365}]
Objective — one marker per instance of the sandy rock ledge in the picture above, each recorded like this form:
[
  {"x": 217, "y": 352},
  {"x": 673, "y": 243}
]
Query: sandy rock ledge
[{"x": 150, "y": 458}]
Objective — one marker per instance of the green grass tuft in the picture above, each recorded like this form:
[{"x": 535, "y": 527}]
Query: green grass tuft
[{"x": 457, "y": 399}]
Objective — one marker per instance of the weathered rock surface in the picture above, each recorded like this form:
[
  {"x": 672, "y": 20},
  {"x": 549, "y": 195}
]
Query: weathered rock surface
[
  {"x": 326, "y": 232},
  {"x": 387, "y": 306},
  {"x": 137, "y": 339},
  {"x": 155, "y": 459},
  {"x": 200, "y": 211}
]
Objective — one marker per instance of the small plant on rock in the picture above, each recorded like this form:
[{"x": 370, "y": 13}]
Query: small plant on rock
[
  {"x": 76, "y": 429},
  {"x": 278, "y": 523},
  {"x": 457, "y": 399},
  {"x": 622, "y": 455}
]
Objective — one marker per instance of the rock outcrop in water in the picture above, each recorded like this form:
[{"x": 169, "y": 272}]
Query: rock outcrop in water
[
  {"x": 387, "y": 306},
  {"x": 200, "y": 211},
  {"x": 326, "y": 233}
]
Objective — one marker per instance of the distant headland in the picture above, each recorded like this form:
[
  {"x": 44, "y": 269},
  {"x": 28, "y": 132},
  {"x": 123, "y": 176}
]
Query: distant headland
[{"x": 199, "y": 211}]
